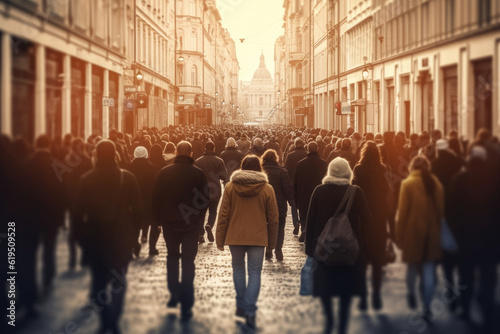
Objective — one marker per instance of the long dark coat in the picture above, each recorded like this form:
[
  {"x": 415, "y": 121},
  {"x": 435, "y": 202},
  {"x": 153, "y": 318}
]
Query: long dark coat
[
  {"x": 336, "y": 280},
  {"x": 374, "y": 183},
  {"x": 145, "y": 173},
  {"x": 292, "y": 159},
  {"x": 279, "y": 179},
  {"x": 107, "y": 216},
  {"x": 215, "y": 171},
  {"x": 232, "y": 159},
  {"x": 309, "y": 173},
  {"x": 198, "y": 148}
]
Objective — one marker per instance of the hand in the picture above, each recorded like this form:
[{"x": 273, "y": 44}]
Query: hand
[{"x": 220, "y": 248}]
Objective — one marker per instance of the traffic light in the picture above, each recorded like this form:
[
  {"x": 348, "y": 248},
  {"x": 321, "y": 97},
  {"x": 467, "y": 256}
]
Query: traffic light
[{"x": 141, "y": 100}]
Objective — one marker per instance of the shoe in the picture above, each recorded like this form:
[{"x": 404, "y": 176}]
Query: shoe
[
  {"x": 210, "y": 235},
  {"x": 302, "y": 237},
  {"x": 173, "y": 302},
  {"x": 240, "y": 312},
  {"x": 279, "y": 255},
  {"x": 153, "y": 252},
  {"x": 251, "y": 321},
  {"x": 269, "y": 255},
  {"x": 201, "y": 239},
  {"x": 376, "y": 302},
  {"x": 363, "y": 305},
  {"x": 296, "y": 229},
  {"x": 186, "y": 315},
  {"x": 412, "y": 302},
  {"x": 427, "y": 315}
]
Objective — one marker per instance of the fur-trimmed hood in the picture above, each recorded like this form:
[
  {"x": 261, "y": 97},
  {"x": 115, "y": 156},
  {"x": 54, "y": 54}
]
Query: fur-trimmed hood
[{"x": 248, "y": 183}]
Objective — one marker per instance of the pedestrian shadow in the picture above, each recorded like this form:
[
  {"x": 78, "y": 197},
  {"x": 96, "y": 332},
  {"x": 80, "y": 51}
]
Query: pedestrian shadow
[
  {"x": 173, "y": 325},
  {"x": 73, "y": 274}
]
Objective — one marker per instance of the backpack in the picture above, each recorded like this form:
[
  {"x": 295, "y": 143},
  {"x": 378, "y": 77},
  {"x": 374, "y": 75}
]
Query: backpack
[{"x": 337, "y": 244}]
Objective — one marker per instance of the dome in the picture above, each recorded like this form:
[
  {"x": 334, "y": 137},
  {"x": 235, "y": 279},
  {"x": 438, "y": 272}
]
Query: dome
[{"x": 262, "y": 72}]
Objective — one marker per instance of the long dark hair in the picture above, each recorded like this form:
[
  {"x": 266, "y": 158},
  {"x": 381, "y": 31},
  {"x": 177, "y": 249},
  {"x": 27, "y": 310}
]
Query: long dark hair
[
  {"x": 370, "y": 155},
  {"x": 251, "y": 162},
  {"x": 421, "y": 163}
]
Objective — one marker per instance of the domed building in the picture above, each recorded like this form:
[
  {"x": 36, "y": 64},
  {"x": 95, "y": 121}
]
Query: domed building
[{"x": 256, "y": 97}]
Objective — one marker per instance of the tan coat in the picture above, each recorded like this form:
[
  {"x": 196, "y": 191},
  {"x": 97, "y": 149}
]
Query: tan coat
[
  {"x": 418, "y": 222},
  {"x": 249, "y": 213}
]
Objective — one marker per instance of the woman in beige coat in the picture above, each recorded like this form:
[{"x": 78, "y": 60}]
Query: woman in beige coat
[
  {"x": 418, "y": 229},
  {"x": 248, "y": 223}
]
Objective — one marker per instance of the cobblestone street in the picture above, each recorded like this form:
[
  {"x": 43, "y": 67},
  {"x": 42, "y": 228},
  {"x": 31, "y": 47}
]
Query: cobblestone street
[{"x": 281, "y": 309}]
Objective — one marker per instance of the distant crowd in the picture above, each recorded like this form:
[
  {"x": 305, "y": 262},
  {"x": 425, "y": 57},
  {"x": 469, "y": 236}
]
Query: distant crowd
[{"x": 434, "y": 196}]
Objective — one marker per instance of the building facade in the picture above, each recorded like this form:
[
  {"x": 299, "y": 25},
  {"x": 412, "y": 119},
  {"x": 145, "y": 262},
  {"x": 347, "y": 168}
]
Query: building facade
[
  {"x": 257, "y": 97},
  {"x": 400, "y": 65}
]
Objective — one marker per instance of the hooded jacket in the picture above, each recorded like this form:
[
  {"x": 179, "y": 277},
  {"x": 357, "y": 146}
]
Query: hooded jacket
[{"x": 249, "y": 213}]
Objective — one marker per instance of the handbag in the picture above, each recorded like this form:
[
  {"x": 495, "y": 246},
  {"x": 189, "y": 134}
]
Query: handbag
[
  {"x": 307, "y": 277},
  {"x": 448, "y": 242}
]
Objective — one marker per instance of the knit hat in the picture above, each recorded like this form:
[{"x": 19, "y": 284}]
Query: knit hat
[
  {"x": 441, "y": 144},
  {"x": 339, "y": 171},
  {"x": 140, "y": 152}
]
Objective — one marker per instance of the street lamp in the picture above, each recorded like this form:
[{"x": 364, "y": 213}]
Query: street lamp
[
  {"x": 216, "y": 93},
  {"x": 181, "y": 57},
  {"x": 365, "y": 74},
  {"x": 139, "y": 76},
  {"x": 278, "y": 92}
]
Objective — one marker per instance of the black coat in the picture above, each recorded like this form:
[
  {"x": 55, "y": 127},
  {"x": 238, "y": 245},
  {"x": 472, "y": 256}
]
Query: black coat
[
  {"x": 309, "y": 173},
  {"x": 46, "y": 193},
  {"x": 336, "y": 280},
  {"x": 107, "y": 215},
  {"x": 445, "y": 167},
  {"x": 279, "y": 179},
  {"x": 232, "y": 158},
  {"x": 180, "y": 196},
  {"x": 220, "y": 144},
  {"x": 198, "y": 148},
  {"x": 473, "y": 213},
  {"x": 292, "y": 159},
  {"x": 215, "y": 171},
  {"x": 145, "y": 173},
  {"x": 257, "y": 150},
  {"x": 374, "y": 183}
]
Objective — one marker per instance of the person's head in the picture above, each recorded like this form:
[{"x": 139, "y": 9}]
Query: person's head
[
  {"x": 312, "y": 147},
  {"x": 184, "y": 148},
  {"x": 298, "y": 142},
  {"x": 209, "y": 146},
  {"x": 442, "y": 145},
  {"x": 346, "y": 144},
  {"x": 251, "y": 162},
  {"x": 270, "y": 156},
  {"x": 78, "y": 146},
  {"x": 455, "y": 146},
  {"x": 105, "y": 151},
  {"x": 230, "y": 142},
  {"x": 113, "y": 134},
  {"x": 370, "y": 154},
  {"x": 156, "y": 151},
  {"x": 422, "y": 164},
  {"x": 257, "y": 142},
  {"x": 43, "y": 142},
  {"x": 436, "y": 135},
  {"x": 140, "y": 152},
  {"x": 169, "y": 148},
  {"x": 338, "y": 171},
  {"x": 389, "y": 137}
]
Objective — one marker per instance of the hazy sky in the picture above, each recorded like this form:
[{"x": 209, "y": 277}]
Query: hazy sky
[{"x": 260, "y": 23}]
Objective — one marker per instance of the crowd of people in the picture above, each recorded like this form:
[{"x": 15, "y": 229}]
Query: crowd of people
[{"x": 116, "y": 194}]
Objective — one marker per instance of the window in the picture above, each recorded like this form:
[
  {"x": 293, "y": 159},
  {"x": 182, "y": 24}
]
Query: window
[
  {"x": 180, "y": 37},
  {"x": 180, "y": 74},
  {"x": 483, "y": 12},
  {"x": 194, "y": 76},
  {"x": 194, "y": 41},
  {"x": 261, "y": 101},
  {"x": 99, "y": 19},
  {"x": 450, "y": 16},
  {"x": 116, "y": 23},
  {"x": 192, "y": 8},
  {"x": 425, "y": 22},
  {"x": 80, "y": 14}
]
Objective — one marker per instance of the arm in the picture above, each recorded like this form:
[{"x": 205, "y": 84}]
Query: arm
[
  {"x": 310, "y": 224},
  {"x": 272, "y": 219},
  {"x": 402, "y": 214},
  {"x": 156, "y": 198},
  {"x": 135, "y": 205},
  {"x": 223, "y": 219}
]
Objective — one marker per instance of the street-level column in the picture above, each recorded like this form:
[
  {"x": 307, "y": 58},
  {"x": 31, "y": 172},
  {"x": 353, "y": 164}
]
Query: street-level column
[
  {"x": 119, "y": 103},
  {"x": 105, "y": 108},
  {"x": 88, "y": 100},
  {"x": 40, "y": 90},
  {"x": 6, "y": 85},
  {"x": 66, "y": 95}
]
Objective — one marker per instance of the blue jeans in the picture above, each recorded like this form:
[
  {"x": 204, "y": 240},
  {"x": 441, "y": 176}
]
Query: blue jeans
[
  {"x": 427, "y": 272},
  {"x": 247, "y": 294}
]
